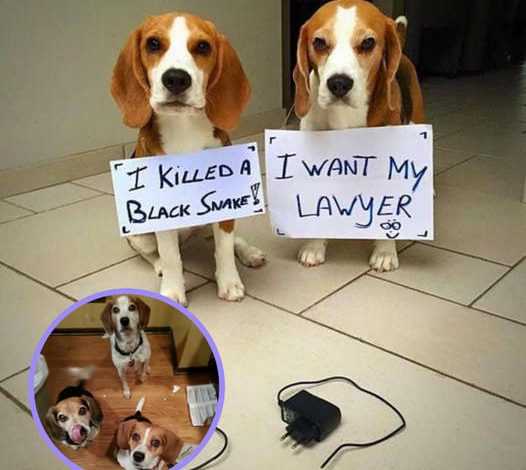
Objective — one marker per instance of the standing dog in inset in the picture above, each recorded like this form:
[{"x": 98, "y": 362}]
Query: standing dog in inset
[
  {"x": 181, "y": 83},
  {"x": 76, "y": 417},
  {"x": 124, "y": 319},
  {"x": 351, "y": 72}
]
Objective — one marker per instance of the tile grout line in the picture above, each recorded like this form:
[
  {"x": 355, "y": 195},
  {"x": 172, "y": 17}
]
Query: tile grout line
[
  {"x": 412, "y": 361},
  {"x": 496, "y": 282},
  {"x": 88, "y": 187},
  {"x": 18, "y": 206},
  {"x": 27, "y": 276},
  {"x": 14, "y": 375},
  {"x": 15, "y": 400},
  {"x": 464, "y": 254},
  {"x": 96, "y": 271},
  {"x": 449, "y": 300},
  {"x": 471, "y": 157}
]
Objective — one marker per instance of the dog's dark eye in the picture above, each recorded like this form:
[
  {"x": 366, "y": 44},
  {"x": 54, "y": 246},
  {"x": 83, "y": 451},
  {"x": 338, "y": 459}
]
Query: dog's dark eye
[
  {"x": 155, "y": 443},
  {"x": 115, "y": 310},
  {"x": 320, "y": 44},
  {"x": 132, "y": 308},
  {"x": 367, "y": 44},
  {"x": 153, "y": 44},
  {"x": 203, "y": 48},
  {"x": 136, "y": 437},
  {"x": 62, "y": 418},
  {"x": 82, "y": 411}
]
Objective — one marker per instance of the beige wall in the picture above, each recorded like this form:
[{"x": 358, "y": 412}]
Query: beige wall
[
  {"x": 57, "y": 57},
  {"x": 192, "y": 347}
]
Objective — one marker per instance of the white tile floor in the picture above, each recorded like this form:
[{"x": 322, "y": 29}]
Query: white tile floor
[{"x": 444, "y": 337}]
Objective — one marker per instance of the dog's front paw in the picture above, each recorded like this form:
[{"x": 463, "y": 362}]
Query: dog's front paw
[
  {"x": 232, "y": 290},
  {"x": 252, "y": 257},
  {"x": 174, "y": 292},
  {"x": 142, "y": 378},
  {"x": 384, "y": 258},
  {"x": 126, "y": 393},
  {"x": 312, "y": 254}
]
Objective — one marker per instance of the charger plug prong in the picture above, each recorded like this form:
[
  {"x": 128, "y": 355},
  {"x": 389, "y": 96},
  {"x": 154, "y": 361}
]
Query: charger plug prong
[
  {"x": 296, "y": 445},
  {"x": 282, "y": 438}
]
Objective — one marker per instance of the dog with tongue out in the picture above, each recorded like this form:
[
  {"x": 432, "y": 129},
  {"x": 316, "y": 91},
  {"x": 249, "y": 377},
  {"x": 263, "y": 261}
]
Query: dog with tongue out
[{"x": 76, "y": 417}]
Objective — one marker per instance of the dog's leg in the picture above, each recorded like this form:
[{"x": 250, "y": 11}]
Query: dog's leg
[
  {"x": 146, "y": 246},
  {"x": 172, "y": 284},
  {"x": 145, "y": 370},
  {"x": 384, "y": 256},
  {"x": 312, "y": 253},
  {"x": 125, "y": 387},
  {"x": 229, "y": 285},
  {"x": 248, "y": 254}
]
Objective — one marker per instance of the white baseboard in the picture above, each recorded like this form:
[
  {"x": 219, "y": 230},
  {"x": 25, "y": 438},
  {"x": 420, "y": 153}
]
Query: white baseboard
[{"x": 24, "y": 179}]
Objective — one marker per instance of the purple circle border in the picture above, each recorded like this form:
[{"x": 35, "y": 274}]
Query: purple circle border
[{"x": 146, "y": 293}]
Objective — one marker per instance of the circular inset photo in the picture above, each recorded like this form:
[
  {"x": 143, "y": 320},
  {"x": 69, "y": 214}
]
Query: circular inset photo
[{"x": 126, "y": 379}]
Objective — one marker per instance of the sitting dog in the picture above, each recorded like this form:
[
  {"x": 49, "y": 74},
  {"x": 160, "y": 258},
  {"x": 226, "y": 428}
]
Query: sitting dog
[
  {"x": 181, "y": 83},
  {"x": 141, "y": 445},
  {"x": 124, "y": 319},
  {"x": 76, "y": 417},
  {"x": 351, "y": 72}
]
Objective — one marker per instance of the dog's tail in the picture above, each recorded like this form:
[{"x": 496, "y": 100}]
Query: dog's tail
[
  {"x": 401, "y": 29},
  {"x": 140, "y": 405},
  {"x": 81, "y": 374}
]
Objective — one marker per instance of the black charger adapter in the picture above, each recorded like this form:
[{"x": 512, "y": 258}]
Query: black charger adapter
[{"x": 310, "y": 418}]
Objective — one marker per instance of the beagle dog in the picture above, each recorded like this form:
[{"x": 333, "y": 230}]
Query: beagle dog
[
  {"x": 76, "y": 417},
  {"x": 180, "y": 82},
  {"x": 351, "y": 72},
  {"x": 124, "y": 319},
  {"x": 141, "y": 445}
]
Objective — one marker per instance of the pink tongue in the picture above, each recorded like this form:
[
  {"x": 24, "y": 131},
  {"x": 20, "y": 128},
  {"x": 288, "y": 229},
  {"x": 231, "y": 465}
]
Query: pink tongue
[{"x": 76, "y": 434}]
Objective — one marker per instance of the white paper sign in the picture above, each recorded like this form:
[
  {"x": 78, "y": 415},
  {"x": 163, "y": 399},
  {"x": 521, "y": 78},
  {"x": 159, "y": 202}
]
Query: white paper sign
[
  {"x": 173, "y": 191},
  {"x": 356, "y": 183}
]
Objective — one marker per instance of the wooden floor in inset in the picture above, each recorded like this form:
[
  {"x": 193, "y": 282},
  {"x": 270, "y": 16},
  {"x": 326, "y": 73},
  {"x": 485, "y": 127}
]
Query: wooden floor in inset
[{"x": 162, "y": 406}]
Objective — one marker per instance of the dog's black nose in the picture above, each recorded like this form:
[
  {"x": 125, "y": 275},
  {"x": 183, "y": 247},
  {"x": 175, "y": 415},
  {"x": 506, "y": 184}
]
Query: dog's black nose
[
  {"x": 125, "y": 321},
  {"x": 176, "y": 80},
  {"x": 340, "y": 85},
  {"x": 138, "y": 456}
]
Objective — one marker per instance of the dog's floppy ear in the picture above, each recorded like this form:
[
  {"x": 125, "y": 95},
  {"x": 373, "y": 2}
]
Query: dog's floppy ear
[
  {"x": 97, "y": 416},
  {"x": 228, "y": 88},
  {"x": 124, "y": 431},
  {"x": 144, "y": 313},
  {"x": 51, "y": 426},
  {"x": 129, "y": 85},
  {"x": 301, "y": 75},
  {"x": 106, "y": 319},
  {"x": 392, "y": 56},
  {"x": 172, "y": 447}
]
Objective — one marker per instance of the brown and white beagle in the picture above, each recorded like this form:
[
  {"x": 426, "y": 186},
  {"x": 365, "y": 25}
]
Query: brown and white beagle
[
  {"x": 76, "y": 417},
  {"x": 351, "y": 72},
  {"x": 124, "y": 319},
  {"x": 181, "y": 83},
  {"x": 141, "y": 445}
]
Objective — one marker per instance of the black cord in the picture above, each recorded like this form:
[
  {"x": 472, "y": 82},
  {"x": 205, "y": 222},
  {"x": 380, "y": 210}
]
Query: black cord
[
  {"x": 364, "y": 390},
  {"x": 219, "y": 454}
]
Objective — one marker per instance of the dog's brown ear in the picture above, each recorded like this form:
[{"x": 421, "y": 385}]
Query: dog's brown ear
[
  {"x": 97, "y": 416},
  {"x": 129, "y": 85},
  {"x": 301, "y": 75},
  {"x": 144, "y": 313},
  {"x": 124, "y": 432},
  {"x": 392, "y": 56},
  {"x": 172, "y": 447},
  {"x": 228, "y": 88},
  {"x": 51, "y": 426},
  {"x": 106, "y": 318}
]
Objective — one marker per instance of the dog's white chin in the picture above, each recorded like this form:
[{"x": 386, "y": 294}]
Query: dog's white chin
[{"x": 176, "y": 110}]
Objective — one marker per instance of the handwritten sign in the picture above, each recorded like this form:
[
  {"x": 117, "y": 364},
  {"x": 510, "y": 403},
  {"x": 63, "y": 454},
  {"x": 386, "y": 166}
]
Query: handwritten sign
[
  {"x": 173, "y": 191},
  {"x": 357, "y": 183}
]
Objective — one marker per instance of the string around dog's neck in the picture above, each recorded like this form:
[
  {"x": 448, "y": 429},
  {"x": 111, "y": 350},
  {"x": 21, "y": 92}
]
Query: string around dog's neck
[{"x": 130, "y": 353}]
